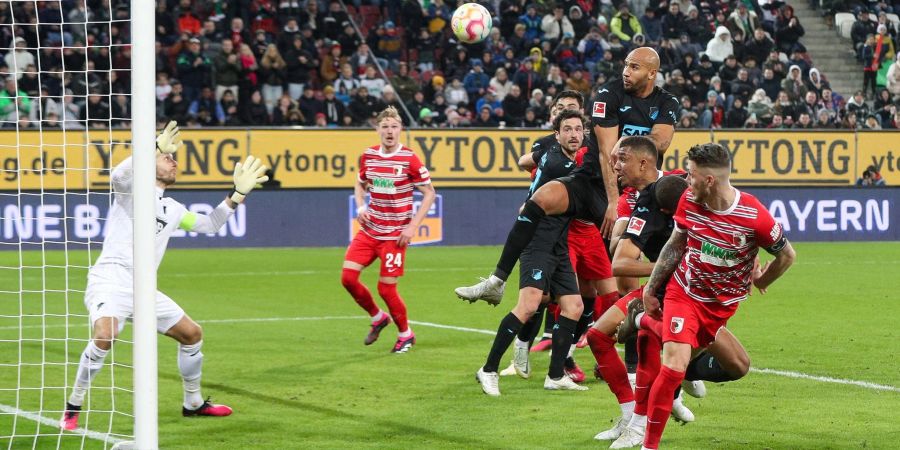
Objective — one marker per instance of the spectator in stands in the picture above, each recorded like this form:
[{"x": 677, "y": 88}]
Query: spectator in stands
[
  {"x": 788, "y": 30},
  {"x": 811, "y": 104},
  {"x": 476, "y": 81},
  {"x": 720, "y": 47},
  {"x": 737, "y": 115},
  {"x": 591, "y": 49},
  {"x": 438, "y": 16},
  {"x": 784, "y": 106},
  {"x": 887, "y": 42},
  {"x": 580, "y": 22},
  {"x": 119, "y": 116},
  {"x": 577, "y": 82},
  {"x": 804, "y": 121},
  {"x": 669, "y": 58},
  {"x": 416, "y": 103},
  {"x": 298, "y": 63},
  {"x": 861, "y": 29},
  {"x": 651, "y": 25},
  {"x": 348, "y": 39},
  {"x": 777, "y": 123},
  {"x": 760, "y": 105},
  {"x": 742, "y": 87},
  {"x": 405, "y": 85},
  {"x": 882, "y": 107},
  {"x": 673, "y": 22},
  {"x": 309, "y": 105},
  {"x": 272, "y": 75},
  {"x": 870, "y": 178},
  {"x": 364, "y": 107},
  {"x": 515, "y": 104},
  {"x": 95, "y": 112},
  {"x": 871, "y": 123},
  {"x": 872, "y": 55},
  {"x": 229, "y": 105},
  {"x": 793, "y": 84},
  {"x": 713, "y": 115},
  {"x": 532, "y": 33},
  {"x": 346, "y": 84},
  {"x": 439, "y": 108},
  {"x": 390, "y": 43},
  {"x": 311, "y": 17},
  {"x": 815, "y": 83},
  {"x": 624, "y": 24},
  {"x": 527, "y": 79},
  {"x": 176, "y": 106},
  {"x": 426, "y": 119},
  {"x": 333, "y": 107},
  {"x": 540, "y": 103},
  {"x": 850, "y": 122},
  {"x": 456, "y": 93},
  {"x": 743, "y": 20},
  {"x": 832, "y": 103},
  {"x": 333, "y": 21},
  {"x": 282, "y": 112},
  {"x": 857, "y": 104},
  {"x": 19, "y": 58},
  {"x": 760, "y": 46},
  {"x": 188, "y": 22},
  {"x": 485, "y": 119},
  {"x": 254, "y": 112},
  {"x": 372, "y": 81},
  {"x": 195, "y": 70},
  {"x": 824, "y": 120},
  {"x": 228, "y": 69},
  {"x": 500, "y": 83},
  {"x": 489, "y": 99},
  {"x": 331, "y": 64},
  {"x": 206, "y": 110}
]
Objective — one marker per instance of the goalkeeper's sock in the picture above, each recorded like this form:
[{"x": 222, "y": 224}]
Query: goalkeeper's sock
[
  {"x": 190, "y": 364},
  {"x": 509, "y": 327},
  {"x": 388, "y": 292},
  {"x": 90, "y": 364},
  {"x": 563, "y": 333},
  {"x": 359, "y": 292},
  {"x": 519, "y": 237}
]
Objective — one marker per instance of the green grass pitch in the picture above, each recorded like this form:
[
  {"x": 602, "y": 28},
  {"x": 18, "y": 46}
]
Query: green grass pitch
[{"x": 283, "y": 346}]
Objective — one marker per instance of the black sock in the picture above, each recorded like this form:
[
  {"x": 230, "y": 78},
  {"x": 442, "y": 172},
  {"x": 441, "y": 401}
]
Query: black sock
[
  {"x": 706, "y": 367},
  {"x": 508, "y": 329},
  {"x": 563, "y": 334},
  {"x": 519, "y": 237},
  {"x": 531, "y": 328},
  {"x": 549, "y": 323},
  {"x": 631, "y": 355},
  {"x": 677, "y": 392},
  {"x": 586, "y": 317}
]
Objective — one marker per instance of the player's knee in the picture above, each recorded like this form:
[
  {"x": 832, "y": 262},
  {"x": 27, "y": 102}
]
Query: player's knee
[
  {"x": 741, "y": 367},
  {"x": 103, "y": 341},
  {"x": 192, "y": 334},
  {"x": 387, "y": 290},
  {"x": 349, "y": 278}
]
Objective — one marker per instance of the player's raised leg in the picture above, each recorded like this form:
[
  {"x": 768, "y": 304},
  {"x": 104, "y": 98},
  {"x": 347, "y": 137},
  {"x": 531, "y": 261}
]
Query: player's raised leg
[{"x": 190, "y": 364}]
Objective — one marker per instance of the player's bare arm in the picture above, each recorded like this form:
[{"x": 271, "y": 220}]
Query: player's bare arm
[
  {"x": 772, "y": 270},
  {"x": 616, "y": 235},
  {"x": 359, "y": 197},
  {"x": 668, "y": 260},
  {"x": 627, "y": 261},
  {"x": 409, "y": 232},
  {"x": 526, "y": 162},
  {"x": 661, "y": 135},
  {"x": 606, "y": 141}
]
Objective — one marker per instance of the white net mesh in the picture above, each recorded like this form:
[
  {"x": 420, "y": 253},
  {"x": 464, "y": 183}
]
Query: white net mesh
[{"x": 66, "y": 84}]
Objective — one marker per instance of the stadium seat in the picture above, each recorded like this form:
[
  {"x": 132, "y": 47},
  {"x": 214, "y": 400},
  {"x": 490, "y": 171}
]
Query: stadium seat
[
  {"x": 895, "y": 19},
  {"x": 842, "y": 23}
]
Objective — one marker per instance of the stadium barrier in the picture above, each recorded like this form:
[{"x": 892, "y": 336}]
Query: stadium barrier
[
  {"x": 317, "y": 159},
  {"x": 465, "y": 216}
]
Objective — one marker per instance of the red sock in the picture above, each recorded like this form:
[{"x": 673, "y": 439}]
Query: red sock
[
  {"x": 610, "y": 365},
  {"x": 661, "y": 404},
  {"x": 350, "y": 280},
  {"x": 604, "y": 302},
  {"x": 648, "y": 347},
  {"x": 395, "y": 304},
  {"x": 650, "y": 324}
]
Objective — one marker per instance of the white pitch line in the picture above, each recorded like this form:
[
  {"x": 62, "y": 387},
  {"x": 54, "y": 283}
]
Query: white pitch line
[
  {"x": 864, "y": 384},
  {"x": 55, "y": 423}
]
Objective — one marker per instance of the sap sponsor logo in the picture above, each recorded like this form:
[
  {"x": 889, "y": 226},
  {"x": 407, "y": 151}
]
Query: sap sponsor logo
[
  {"x": 47, "y": 222},
  {"x": 832, "y": 215}
]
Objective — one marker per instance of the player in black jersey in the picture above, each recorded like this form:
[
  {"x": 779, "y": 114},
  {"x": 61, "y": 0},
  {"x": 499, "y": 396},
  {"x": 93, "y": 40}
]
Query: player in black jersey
[
  {"x": 545, "y": 266},
  {"x": 631, "y": 106}
]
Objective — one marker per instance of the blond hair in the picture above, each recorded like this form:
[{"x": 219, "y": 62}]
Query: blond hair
[{"x": 389, "y": 113}]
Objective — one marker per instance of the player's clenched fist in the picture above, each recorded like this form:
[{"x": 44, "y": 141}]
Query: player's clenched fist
[
  {"x": 168, "y": 141},
  {"x": 247, "y": 176}
]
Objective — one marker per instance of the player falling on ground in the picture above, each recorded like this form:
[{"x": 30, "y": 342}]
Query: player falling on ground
[
  {"x": 389, "y": 172},
  {"x": 109, "y": 296},
  {"x": 631, "y": 106},
  {"x": 712, "y": 253},
  {"x": 545, "y": 266}
]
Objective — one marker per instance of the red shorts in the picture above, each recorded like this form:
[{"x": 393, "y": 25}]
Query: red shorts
[
  {"x": 691, "y": 322},
  {"x": 622, "y": 304},
  {"x": 588, "y": 252},
  {"x": 364, "y": 249}
]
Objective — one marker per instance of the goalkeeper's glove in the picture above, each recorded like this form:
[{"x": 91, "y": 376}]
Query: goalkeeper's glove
[
  {"x": 168, "y": 140},
  {"x": 246, "y": 177}
]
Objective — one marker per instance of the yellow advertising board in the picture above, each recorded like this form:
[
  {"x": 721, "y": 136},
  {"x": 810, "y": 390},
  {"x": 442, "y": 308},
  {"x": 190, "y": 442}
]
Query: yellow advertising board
[
  {"x": 311, "y": 159},
  {"x": 882, "y": 150}
]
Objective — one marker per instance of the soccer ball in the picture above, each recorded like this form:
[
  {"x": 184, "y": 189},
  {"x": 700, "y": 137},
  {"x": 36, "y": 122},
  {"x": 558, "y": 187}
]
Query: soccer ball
[{"x": 471, "y": 23}]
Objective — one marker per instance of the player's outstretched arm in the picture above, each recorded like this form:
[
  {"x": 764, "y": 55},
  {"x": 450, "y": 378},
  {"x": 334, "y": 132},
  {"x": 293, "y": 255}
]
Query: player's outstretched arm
[
  {"x": 607, "y": 138},
  {"x": 409, "y": 232},
  {"x": 246, "y": 176},
  {"x": 167, "y": 141},
  {"x": 668, "y": 260},
  {"x": 772, "y": 270},
  {"x": 526, "y": 161}
]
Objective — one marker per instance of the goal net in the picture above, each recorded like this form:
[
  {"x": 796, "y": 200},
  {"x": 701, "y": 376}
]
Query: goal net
[{"x": 64, "y": 119}]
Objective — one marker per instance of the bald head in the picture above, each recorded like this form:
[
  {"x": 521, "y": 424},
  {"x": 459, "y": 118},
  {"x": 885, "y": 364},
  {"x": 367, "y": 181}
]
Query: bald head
[{"x": 646, "y": 56}]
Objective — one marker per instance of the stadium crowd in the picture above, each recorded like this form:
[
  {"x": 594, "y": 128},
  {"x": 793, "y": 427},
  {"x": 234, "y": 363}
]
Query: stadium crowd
[{"x": 738, "y": 64}]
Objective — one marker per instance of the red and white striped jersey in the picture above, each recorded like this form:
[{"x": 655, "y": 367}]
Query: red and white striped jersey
[
  {"x": 629, "y": 196},
  {"x": 390, "y": 180},
  {"x": 721, "y": 247}
]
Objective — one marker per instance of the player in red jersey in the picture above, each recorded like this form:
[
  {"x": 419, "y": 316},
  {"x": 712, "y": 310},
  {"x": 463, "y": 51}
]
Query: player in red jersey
[
  {"x": 713, "y": 255},
  {"x": 388, "y": 172}
]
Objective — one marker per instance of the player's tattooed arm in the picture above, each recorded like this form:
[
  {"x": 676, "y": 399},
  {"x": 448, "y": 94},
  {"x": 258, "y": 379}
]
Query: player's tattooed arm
[
  {"x": 669, "y": 258},
  {"x": 661, "y": 135}
]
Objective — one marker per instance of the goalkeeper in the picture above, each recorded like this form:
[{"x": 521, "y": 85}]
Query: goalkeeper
[{"x": 109, "y": 293}]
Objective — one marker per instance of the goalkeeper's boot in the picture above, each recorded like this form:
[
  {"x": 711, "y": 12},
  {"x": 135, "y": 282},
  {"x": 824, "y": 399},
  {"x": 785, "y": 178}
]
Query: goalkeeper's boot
[
  {"x": 574, "y": 372},
  {"x": 376, "y": 329},
  {"x": 695, "y": 389},
  {"x": 488, "y": 289},
  {"x": 680, "y": 412},
  {"x": 207, "y": 409},
  {"x": 489, "y": 381},
  {"x": 614, "y": 432},
  {"x": 404, "y": 344},
  {"x": 631, "y": 437},
  {"x": 629, "y": 326},
  {"x": 564, "y": 383},
  {"x": 521, "y": 363},
  {"x": 69, "y": 420}
]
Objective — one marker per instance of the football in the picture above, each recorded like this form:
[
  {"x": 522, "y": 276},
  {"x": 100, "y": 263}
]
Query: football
[{"x": 471, "y": 23}]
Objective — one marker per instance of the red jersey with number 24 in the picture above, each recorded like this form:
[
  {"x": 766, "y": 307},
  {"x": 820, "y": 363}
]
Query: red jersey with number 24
[
  {"x": 390, "y": 180},
  {"x": 721, "y": 247}
]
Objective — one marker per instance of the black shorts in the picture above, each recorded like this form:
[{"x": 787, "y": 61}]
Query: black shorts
[
  {"x": 545, "y": 263},
  {"x": 587, "y": 197}
]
